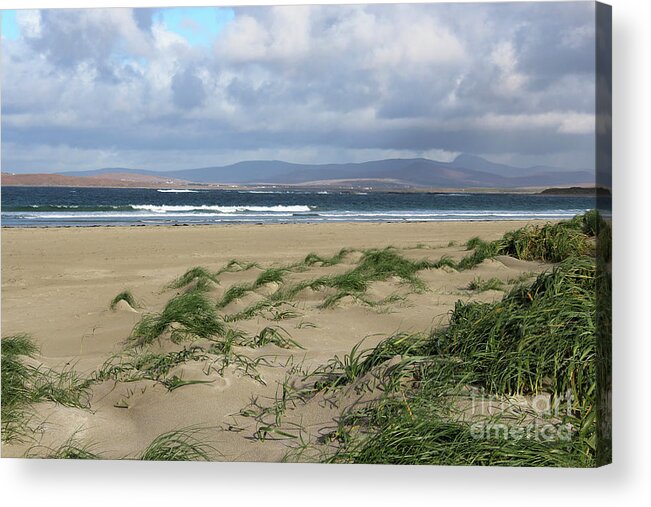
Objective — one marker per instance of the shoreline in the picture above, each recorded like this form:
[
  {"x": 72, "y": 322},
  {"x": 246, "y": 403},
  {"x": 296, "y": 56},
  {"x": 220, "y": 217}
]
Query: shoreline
[{"x": 258, "y": 224}]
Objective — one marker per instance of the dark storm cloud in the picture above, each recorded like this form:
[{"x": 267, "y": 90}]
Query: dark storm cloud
[
  {"x": 70, "y": 37},
  {"x": 305, "y": 84},
  {"x": 187, "y": 89},
  {"x": 144, "y": 18}
]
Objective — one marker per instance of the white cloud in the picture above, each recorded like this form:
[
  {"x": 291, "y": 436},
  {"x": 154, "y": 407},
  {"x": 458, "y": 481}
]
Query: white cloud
[
  {"x": 244, "y": 39},
  {"x": 413, "y": 41},
  {"x": 29, "y": 22},
  {"x": 563, "y": 122},
  {"x": 505, "y": 58},
  {"x": 576, "y": 37}
]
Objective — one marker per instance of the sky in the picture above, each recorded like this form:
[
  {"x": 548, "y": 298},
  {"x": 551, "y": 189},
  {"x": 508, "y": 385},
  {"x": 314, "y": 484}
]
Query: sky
[{"x": 180, "y": 88}]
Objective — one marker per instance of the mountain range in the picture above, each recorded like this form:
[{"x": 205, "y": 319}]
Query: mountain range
[{"x": 466, "y": 171}]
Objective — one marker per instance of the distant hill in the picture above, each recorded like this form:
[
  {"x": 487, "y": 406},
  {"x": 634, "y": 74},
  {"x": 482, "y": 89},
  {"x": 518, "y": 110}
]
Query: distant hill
[
  {"x": 466, "y": 171},
  {"x": 99, "y": 180},
  {"x": 601, "y": 191}
]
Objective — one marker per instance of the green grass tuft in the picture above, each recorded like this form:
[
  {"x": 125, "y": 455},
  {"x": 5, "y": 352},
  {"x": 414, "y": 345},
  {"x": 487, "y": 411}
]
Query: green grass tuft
[
  {"x": 480, "y": 285},
  {"x": 127, "y": 296},
  {"x": 203, "y": 278},
  {"x": 312, "y": 258},
  {"x": 24, "y": 384},
  {"x": 178, "y": 445},
  {"x": 276, "y": 335},
  {"x": 235, "y": 266},
  {"x": 70, "y": 449},
  {"x": 413, "y": 435},
  {"x": 270, "y": 275},
  {"x": 551, "y": 242},
  {"x": 548, "y": 243},
  {"x": 137, "y": 365},
  {"x": 375, "y": 265},
  {"x": 234, "y": 293},
  {"x": 193, "y": 316}
]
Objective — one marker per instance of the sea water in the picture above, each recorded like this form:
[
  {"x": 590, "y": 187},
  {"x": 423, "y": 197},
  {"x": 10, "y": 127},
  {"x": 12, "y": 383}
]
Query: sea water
[{"x": 64, "y": 206}]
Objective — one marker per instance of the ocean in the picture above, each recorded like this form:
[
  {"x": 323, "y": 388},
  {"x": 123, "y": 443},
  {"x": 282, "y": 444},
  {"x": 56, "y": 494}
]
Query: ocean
[{"x": 64, "y": 206}]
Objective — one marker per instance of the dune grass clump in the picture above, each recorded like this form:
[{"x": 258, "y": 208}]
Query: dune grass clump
[
  {"x": 551, "y": 242},
  {"x": 312, "y": 258},
  {"x": 352, "y": 283},
  {"x": 481, "y": 285},
  {"x": 188, "y": 315},
  {"x": 236, "y": 266},
  {"x": 540, "y": 338},
  {"x": 481, "y": 250},
  {"x": 270, "y": 308},
  {"x": 288, "y": 292},
  {"x": 178, "y": 445},
  {"x": 238, "y": 291},
  {"x": 537, "y": 338},
  {"x": 270, "y": 275},
  {"x": 202, "y": 278},
  {"x": 276, "y": 335},
  {"x": 24, "y": 384},
  {"x": 444, "y": 262},
  {"x": 138, "y": 365},
  {"x": 416, "y": 434},
  {"x": 375, "y": 265},
  {"x": 17, "y": 379},
  {"x": 338, "y": 372},
  {"x": 70, "y": 449},
  {"x": 381, "y": 264},
  {"x": 548, "y": 243},
  {"x": 234, "y": 293},
  {"x": 125, "y": 296},
  {"x": 249, "y": 312}
]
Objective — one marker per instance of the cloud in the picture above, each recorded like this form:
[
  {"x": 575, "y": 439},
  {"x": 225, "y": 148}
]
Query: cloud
[
  {"x": 309, "y": 84},
  {"x": 29, "y": 22},
  {"x": 187, "y": 89}
]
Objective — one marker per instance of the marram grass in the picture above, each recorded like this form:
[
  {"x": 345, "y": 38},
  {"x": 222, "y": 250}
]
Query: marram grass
[
  {"x": 70, "y": 449},
  {"x": 185, "y": 444},
  {"x": 125, "y": 296},
  {"x": 551, "y": 242},
  {"x": 374, "y": 265},
  {"x": 179, "y": 445},
  {"x": 234, "y": 293},
  {"x": 312, "y": 258},
  {"x": 270, "y": 275},
  {"x": 413, "y": 435},
  {"x": 24, "y": 384},
  {"x": 187, "y": 316},
  {"x": 480, "y": 285},
  {"x": 201, "y": 276},
  {"x": 540, "y": 338}
]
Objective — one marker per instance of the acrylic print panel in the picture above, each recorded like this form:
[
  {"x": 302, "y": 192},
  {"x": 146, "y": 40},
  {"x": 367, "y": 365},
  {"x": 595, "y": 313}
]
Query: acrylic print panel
[{"x": 340, "y": 234}]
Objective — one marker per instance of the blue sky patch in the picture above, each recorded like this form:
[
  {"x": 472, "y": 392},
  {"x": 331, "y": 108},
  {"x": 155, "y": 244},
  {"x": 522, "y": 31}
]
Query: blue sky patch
[
  {"x": 10, "y": 29},
  {"x": 198, "y": 25}
]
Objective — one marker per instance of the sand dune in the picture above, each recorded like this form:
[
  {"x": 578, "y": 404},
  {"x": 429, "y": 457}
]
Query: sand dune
[{"x": 57, "y": 285}]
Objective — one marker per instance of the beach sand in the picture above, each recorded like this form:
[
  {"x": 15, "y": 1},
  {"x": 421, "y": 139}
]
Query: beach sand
[{"x": 57, "y": 285}]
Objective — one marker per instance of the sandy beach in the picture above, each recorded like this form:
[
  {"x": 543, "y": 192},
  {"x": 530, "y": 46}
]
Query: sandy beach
[{"x": 57, "y": 285}]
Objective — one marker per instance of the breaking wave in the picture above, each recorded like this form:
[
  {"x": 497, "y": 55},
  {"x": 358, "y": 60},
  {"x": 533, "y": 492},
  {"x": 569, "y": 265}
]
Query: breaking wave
[{"x": 220, "y": 209}]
